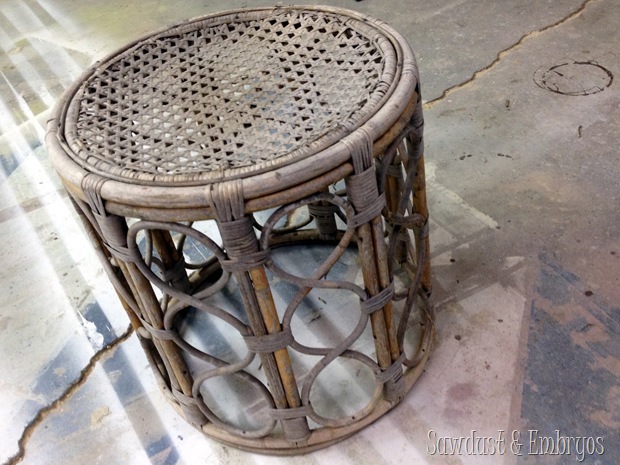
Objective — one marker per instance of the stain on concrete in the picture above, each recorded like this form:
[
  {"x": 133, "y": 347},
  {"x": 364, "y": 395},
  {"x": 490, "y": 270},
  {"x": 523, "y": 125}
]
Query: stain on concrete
[
  {"x": 462, "y": 392},
  {"x": 572, "y": 367},
  {"x": 554, "y": 282},
  {"x": 8, "y": 163}
]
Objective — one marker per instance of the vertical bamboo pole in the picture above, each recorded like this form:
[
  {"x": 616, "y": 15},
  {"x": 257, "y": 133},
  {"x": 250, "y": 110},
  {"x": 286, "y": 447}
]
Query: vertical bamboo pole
[
  {"x": 383, "y": 275},
  {"x": 151, "y": 311},
  {"x": 272, "y": 325},
  {"x": 368, "y": 258},
  {"x": 393, "y": 190},
  {"x": 422, "y": 241}
]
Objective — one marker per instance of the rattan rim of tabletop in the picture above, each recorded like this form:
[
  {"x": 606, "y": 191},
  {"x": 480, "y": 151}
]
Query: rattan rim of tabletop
[{"x": 254, "y": 184}]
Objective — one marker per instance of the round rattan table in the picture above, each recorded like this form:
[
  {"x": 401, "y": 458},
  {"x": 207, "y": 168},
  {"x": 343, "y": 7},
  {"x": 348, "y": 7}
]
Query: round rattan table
[{"x": 253, "y": 183}]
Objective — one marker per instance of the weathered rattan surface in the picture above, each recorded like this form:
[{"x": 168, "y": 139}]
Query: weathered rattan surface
[
  {"x": 223, "y": 119},
  {"x": 228, "y": 96}
]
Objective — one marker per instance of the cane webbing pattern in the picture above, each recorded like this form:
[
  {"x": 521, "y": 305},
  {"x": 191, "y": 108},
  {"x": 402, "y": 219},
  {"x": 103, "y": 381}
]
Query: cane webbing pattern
[{"x": 228, "y": 96}]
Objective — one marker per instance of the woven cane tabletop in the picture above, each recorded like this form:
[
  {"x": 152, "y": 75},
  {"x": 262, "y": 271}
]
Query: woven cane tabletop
[{"x": 228, "y": 96}]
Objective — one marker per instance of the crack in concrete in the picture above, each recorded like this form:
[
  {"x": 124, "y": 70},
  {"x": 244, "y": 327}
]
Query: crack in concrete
[
  {"x": 72, "y": 389},
  {"x": 504, "y": 52}
]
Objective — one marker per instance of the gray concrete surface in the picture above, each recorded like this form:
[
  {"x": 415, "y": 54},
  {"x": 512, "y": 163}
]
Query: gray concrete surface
[{"x": 524, "y": 199}]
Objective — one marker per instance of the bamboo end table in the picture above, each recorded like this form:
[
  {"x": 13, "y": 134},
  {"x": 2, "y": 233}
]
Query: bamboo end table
[{"x": 253, "y": 183}]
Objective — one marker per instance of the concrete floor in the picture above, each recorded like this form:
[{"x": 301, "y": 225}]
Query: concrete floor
[{"x": 525, "y": 203}]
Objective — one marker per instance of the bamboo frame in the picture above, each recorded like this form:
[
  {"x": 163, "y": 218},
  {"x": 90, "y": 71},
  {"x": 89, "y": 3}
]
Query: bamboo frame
[{"x": 107, "y": 192}]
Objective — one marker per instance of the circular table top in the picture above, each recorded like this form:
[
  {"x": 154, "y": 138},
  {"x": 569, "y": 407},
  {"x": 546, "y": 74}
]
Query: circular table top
[{"x": 229, "y": 96}]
